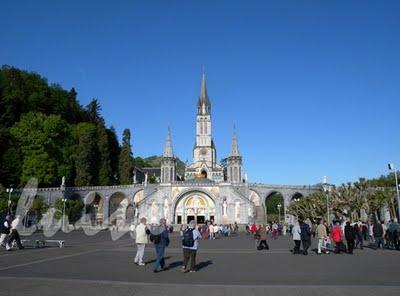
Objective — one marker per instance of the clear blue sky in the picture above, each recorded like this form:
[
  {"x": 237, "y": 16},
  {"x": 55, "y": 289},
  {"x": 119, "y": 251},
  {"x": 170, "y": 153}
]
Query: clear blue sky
[{"x": 312, "y": 86}]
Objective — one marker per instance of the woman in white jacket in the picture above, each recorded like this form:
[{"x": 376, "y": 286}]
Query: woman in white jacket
[
  {"x": 141, "y": 241},
  {"x": 296, "y": 232}
]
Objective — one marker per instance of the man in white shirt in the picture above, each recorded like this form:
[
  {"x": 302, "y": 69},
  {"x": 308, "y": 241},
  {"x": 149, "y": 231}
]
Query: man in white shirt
[{"x": 141, "y": 241}]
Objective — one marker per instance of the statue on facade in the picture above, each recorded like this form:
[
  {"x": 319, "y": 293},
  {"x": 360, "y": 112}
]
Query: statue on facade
[
  {"x": 237, "y": 211},
  {"x": 250, "y": 211},
  {"x": 224, "y": 208},
  {"x": 166, "y": 209}
]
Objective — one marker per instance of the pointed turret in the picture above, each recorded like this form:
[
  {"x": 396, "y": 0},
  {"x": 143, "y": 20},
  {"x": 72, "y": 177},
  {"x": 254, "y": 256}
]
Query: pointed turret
[
  {"x": 235, "y": 145},
  {"x": 168, "y": 152},
  {"x": 168, "y": 161},
  {"x": 203, "y": 105},
  {"x": 235, "y": 165}
]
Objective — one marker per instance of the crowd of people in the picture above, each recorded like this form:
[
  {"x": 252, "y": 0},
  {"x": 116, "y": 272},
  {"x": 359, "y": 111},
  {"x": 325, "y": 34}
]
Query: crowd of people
[{"x": 345, "y": 236}]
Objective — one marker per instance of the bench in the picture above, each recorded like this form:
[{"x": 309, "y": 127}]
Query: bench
[
  {"x": 60, "y": 243},
  {"x": 36, "y": 243}
]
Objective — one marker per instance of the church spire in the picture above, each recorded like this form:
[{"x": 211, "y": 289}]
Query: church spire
[
  {"x": 203, "y": 105},
  {"x": 168, "y": 152},
  {"x": 235, "y": 145}
]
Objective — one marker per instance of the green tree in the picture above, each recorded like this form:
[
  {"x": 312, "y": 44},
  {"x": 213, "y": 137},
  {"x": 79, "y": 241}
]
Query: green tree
[
  {"x": 104, "y": 161},
  {"x": 114, "y": 153},
  {"x": 125, "y": 162},
  {"x": 39, "y": 207},
  {"x": 41, "y": 138},
  {"x": 85, "y": 155}
]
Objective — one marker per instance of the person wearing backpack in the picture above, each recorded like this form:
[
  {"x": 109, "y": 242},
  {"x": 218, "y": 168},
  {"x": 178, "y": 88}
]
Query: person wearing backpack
[
  {"x": 190, "y": 243},
  {"x": 159, "y": 236},
  {"x": 305, "y": 234}
]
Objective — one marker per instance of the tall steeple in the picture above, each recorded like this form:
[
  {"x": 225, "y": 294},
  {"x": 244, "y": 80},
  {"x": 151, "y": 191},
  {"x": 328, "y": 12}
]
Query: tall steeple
[
  {"x": 235, "y": 145},
  {"x": 203, "y": 104},
  {"x": 235, "y": 165},
  {"x": 168, "y": 152},
  {"x": 168, "y": 161}
]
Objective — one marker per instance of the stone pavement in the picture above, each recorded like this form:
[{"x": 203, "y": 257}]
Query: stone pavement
[{"x": 96, "y": 265}]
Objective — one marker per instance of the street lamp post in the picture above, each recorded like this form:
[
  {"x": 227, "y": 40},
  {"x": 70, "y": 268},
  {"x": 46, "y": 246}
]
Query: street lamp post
[
  {"x": 326, "y": 188},
  {"x": 9, "y": 191},
  {"x": 279, "y": 213},
  {"x": 392, "y": 167},
  {"x": 64, "y": 200}
]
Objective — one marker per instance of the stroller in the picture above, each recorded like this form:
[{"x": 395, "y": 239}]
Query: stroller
[{"x": 328, "y": 246}]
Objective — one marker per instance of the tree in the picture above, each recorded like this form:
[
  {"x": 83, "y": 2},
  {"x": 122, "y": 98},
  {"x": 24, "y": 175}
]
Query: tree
[
  {"x": 85, "y": 154},
  {"x": 39, "y": 207},
  {"x": 104, "y": 161},
  {"x": 93, "y": 111},
  {"x": 114, "y": 150},
  {"x": 73, "y": 209},
  {"x": 41, "y": 139},
  {"x": 125, "y": 162}
]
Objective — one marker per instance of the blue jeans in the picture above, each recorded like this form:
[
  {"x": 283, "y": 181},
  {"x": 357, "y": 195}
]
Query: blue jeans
[
  {"x": 160, "y": 250},
  {"x": 379, "y": 242}
]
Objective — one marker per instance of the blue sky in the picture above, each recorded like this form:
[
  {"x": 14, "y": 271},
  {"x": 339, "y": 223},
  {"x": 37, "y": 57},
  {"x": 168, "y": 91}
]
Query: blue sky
[{"x": 313, "y": 87}]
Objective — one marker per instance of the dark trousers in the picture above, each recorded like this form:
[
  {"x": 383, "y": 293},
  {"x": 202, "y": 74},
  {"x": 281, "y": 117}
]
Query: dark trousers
[
  {"x": 160, "y": 261},
  {"x": 189, "y": 254},
  {"x": 263, "y": 245},
  {"x": 379, "y": 242},
  {"x": 359, "y": 241},
  {"x": 350, "y": 246},
  {"x": 15, "y": 236},
  {"x": 296, "y": 249},
  {"x": 306, "y": 244}
]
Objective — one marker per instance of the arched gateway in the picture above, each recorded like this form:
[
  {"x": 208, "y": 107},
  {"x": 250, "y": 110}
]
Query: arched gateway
[{"x": 194, "y": 205}]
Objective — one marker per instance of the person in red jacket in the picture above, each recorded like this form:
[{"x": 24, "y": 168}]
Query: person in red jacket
[
  {"x": 253, "y": 228},
  {"x": 337, "y": 238}
]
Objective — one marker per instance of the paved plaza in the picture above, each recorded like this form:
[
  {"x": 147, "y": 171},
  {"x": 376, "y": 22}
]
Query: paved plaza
[{"x": 96, "y": 265}]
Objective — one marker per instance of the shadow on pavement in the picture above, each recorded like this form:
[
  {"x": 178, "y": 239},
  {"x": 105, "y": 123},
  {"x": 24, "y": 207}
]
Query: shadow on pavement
[{"x": 204, "y": 264}]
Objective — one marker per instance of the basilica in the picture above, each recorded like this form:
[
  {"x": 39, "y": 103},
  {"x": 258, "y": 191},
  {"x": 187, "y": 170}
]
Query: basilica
[{"x": 208, "y": 190}]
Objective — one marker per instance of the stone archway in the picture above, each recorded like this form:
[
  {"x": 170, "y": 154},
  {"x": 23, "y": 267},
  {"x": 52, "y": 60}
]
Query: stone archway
[
  {"x": 117, "y": 205},
  {"x": 275, "y": 206},
  {"x": 95, "y": 207},
  {"x": 194, "y": 205},
  {"x": 297, "y": 196}
]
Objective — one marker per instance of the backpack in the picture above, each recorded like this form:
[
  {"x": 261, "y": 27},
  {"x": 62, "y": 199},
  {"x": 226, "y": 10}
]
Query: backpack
[
  {"x": 188, "y": 240},
  {"x": 155, "y": 238}
]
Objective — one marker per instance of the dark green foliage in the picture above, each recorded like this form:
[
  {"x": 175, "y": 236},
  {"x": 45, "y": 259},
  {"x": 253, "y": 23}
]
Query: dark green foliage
[
  {"x": 41, "y": 138},
  {"x": 85, "y": 157},
  {"x": 39, "y": 207},
  {"x": 45, "y": 133},
  {"x": 125, "y": 163},
  {"x": 73, "y": 209}
]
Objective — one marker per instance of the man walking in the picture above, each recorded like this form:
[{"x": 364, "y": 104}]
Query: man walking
[
  {"x": 377, "y": 231},
  {"x": 141, "y": 241},
  {"x": 321, "y": 235},
  {"x": 14, "y": 235},
  {"x": 305, "y": 236},
  {"x": 190, "y": 243},
  {"x": 159, "y": 236},
  {"x": 358, "y": 229},
  {"x": 350, "y": 236}
]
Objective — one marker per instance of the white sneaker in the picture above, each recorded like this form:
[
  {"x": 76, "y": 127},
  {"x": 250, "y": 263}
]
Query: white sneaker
[{"x": 142, "y": 264}]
